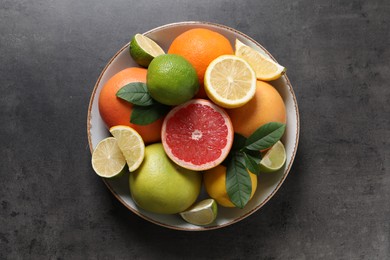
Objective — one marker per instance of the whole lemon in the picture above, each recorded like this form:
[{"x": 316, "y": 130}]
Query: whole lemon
[
  {"x": 171, "y": 79},
  {"x": 215, "y": 184},
  {"x": 161, "y": 186}
]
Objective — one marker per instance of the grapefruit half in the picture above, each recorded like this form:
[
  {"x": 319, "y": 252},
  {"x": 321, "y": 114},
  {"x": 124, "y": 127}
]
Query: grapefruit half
[{"x": 197, "y": 135}]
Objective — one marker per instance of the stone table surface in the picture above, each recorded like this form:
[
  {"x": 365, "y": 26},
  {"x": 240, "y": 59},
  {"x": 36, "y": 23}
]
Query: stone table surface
[{"x": 335, "y": 203}]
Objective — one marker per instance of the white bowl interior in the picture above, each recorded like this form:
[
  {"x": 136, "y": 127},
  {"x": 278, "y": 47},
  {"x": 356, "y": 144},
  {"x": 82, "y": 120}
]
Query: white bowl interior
[{"x": 268, "y": 184}]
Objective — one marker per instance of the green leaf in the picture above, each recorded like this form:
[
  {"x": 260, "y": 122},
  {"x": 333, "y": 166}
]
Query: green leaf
[
  {"x": 136, "y": 93},
  {"x": 265, "y": 136},
  {"x": 254, "y": 153},
  {"x": 252, "y": 163},
  {"x": 238, "y": 181},
  {"x": 238, "y": 142},
  {"x": 144, "y": 115}
]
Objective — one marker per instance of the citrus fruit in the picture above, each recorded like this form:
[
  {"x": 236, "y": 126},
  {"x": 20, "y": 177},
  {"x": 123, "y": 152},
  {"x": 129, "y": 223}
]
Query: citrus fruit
[
  {"x": 131, "y": 145},
  {"x": 200, "y": 46},
  {"x": 230, "y": 81},
  {"x": 197, "y": 135},
  {"x": 274, "y": 159},
  {"x": 115, "y": 111},
  {"x": 215, "y": 183},
  {"x": 201, "y": 213},
  {"x": 143, "y": 50},
  {"x": 160, "y": 186},
  {"x": 107, "y": 159},
  {"x": 171, "y": 79},
  {"x": 266, "y": 106},
  {"x": 264, "y": 67}
]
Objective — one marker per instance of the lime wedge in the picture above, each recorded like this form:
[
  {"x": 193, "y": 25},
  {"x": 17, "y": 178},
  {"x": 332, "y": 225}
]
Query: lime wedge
[
  {"x": 274, "y": 159},
  {"x": 265, "y": 68},
  {"x": 107, "y": 159},
  {"x": 143, "y": 50},
  {"x": 131, "y": 145},
  {"x": 201, "y": 213}
]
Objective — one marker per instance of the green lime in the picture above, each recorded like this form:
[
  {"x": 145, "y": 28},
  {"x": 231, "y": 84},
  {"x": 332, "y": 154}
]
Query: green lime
[
  {"x": 274, "y": 159},
  {"x": 107, "y": 159},
  {"x": 161, "y": 186},
  {"x": 171, "y": 79},
  {"x": 143, "y": 50},
  {"x": 202, "y": 213}
]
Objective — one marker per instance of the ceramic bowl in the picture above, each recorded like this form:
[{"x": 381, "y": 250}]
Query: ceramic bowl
[{"x": 268, "y": 184}]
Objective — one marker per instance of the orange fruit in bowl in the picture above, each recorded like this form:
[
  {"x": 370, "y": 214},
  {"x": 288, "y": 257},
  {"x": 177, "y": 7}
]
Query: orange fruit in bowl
[
  {"x": 215, "y": 184},
  {"x": 115, "y": 111},
  {"x": 266, "y": 106},
  {"x": 200, "y": 47}
]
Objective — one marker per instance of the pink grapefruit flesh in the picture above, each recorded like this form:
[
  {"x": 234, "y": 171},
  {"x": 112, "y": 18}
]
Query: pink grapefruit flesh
[{"x": 197, "y": 135}]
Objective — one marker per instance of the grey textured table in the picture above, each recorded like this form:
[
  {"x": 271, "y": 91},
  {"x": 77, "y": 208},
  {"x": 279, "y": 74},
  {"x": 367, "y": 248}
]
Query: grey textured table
[{"x": 335, "y": 204}]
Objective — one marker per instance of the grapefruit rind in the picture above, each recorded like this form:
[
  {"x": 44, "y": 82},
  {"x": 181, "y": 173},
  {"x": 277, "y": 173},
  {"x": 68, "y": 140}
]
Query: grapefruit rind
[{"x": 224, "y": 151}]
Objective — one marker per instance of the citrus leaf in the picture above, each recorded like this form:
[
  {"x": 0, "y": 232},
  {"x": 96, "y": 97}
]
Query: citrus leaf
[
  {"x": 253, "y": 153},
  {"x": 265, "y": 136},
  {"x": 144, "y": 115},
  {"x": 135, "y": 93},
  {"x": 238, "y": 181},
  {"x": 238, "y": 142},
  {"x": 252, "y": 163}
]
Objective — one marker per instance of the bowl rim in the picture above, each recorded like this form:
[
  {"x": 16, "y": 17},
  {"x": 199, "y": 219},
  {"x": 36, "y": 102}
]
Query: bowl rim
[{"x": 200, "y": 228}]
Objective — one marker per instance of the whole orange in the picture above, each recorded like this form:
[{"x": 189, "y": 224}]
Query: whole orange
[
  {"x": 266, "y": 106},
  {"x": 200, "y": 47},
  {"x": 115, "y": 111}
]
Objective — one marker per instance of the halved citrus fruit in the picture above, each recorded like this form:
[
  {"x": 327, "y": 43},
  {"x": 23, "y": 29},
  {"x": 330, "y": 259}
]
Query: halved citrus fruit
[
  {"x": 143, "y": 49},
  {"x": 264, "y": 67},
  {"x": 197, "y": 135},
  {"x": 107, "y": 159},
  {"x": 230, "y": 81},
  {"x": 131, "y": 145}
]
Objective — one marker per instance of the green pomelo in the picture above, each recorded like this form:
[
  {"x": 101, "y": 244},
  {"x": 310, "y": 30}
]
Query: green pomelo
[{"x": 161, "y": 186}]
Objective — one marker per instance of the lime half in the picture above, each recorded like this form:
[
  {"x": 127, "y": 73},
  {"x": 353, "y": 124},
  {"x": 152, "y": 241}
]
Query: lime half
[
  {"x": 201, "y": 213},
  {"x": 107, "y": 159},
  {"x": 274, "y": 159},
  {"x": 131, "y": 145},
  {"x": 143, "y": 50}
]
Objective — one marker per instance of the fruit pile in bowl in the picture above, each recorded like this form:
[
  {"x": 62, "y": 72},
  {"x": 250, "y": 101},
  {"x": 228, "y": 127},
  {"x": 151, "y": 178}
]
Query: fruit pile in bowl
[{"x": 193, "y": 126}]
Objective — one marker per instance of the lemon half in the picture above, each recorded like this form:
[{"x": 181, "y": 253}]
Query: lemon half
[{"x": 230, "y": 81}]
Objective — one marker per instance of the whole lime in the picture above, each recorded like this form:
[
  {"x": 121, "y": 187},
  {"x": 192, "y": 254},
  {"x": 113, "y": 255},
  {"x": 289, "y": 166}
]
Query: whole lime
[
  {"x": 161, "y": 186},
  {"x": 171, "y": 79}
]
